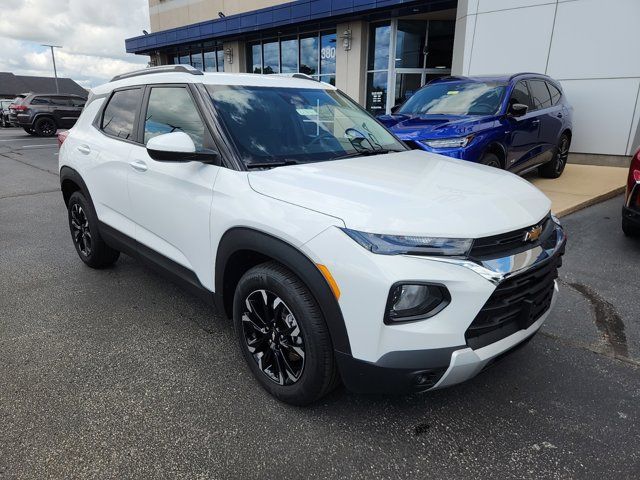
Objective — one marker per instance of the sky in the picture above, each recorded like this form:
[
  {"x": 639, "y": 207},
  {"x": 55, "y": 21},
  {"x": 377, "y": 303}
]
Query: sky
[{"x": 91, "y": 32}]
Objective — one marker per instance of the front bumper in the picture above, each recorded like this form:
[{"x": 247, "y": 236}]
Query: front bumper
[
  {"x": 423, "y": 370},
  {"x": 434, "y": 352}
]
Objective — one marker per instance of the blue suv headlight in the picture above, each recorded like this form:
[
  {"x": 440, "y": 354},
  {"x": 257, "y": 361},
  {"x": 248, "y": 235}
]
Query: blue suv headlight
[{"x": 457, "y": 142}]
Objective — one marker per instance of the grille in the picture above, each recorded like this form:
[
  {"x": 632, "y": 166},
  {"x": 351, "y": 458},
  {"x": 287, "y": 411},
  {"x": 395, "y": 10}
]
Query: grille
[
  {"x": 515, "y": 304},
  {"x": 509, "y": 243}
]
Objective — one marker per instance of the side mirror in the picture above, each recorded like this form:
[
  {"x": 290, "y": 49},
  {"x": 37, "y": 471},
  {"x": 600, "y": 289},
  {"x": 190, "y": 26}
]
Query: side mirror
[
  {"x": 518, "y": 110},
  {"x": 178, "y": 147},
  {"x": 395, "y": 108}
]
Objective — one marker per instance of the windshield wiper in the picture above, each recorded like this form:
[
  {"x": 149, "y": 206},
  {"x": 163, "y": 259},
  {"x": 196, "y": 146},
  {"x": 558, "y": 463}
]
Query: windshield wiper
[
  {"x": 367, "y": 153},
  {"x": 277, "y": 163}
]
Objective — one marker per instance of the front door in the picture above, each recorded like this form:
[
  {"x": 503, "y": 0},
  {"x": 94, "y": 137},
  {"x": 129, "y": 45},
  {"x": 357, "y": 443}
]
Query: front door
[
  {"x": 523, "y": 131},
  {"x": 404, "y": 55},
  {"x": 171, "y": 201}
]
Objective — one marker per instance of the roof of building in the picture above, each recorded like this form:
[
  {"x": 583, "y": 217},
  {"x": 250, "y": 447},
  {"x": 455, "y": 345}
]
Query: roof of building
[
  {"x": 293, "y": 13},
  {"x": 12, "y": 85}
]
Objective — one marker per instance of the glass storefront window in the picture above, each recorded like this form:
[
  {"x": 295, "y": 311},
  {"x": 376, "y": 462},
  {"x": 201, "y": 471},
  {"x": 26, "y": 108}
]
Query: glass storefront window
[
  {"x": 330, "y": 79},
  {"x": 410, "y": 43},
  {"x": 196, "y": 59},
  {"x": 440, "y": 43},
  {"x": 210, "y": 61},
  {"x": 289, "y": 55},
  {"x": 270, "y": 54},
  {"x": 254, "y": 60},
  {"x": 220, "y": 58},
  {"x": 184, "y": 59},
  {"x": 309, "y": 55},
  {"x": 328, "y": 53},
  {"x": 379, "y": 42}
]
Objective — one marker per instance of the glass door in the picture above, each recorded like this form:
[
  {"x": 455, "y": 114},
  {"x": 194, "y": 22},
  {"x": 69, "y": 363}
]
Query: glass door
[{"x": 423, "y": 50}]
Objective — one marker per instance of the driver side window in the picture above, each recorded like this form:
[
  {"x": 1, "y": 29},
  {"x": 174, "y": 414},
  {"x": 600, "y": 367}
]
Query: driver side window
[
  {"x": 520, "y": 94},
  {"x": 171, "y": 109}
]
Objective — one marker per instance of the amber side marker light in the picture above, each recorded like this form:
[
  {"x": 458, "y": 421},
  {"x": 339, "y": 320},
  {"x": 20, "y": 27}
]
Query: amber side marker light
[{"x": 330, "y": 280}]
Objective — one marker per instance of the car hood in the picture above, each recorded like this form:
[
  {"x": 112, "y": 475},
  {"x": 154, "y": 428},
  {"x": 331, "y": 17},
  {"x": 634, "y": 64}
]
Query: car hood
[
  {"x": 416, "y": 127},
  {"x": 409, "y": 193}
]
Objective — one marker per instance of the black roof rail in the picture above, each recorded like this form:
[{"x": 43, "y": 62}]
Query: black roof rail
[
  {"x": 302, "y": 76},
  {"x": 527, "y": 73},
  {"x": 160, "y": 69}
]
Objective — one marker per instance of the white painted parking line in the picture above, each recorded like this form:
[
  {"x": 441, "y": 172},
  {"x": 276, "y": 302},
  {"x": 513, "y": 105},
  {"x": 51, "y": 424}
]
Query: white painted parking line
[{"x": 40, "y": 146}]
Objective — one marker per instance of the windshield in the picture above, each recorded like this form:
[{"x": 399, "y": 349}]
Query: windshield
[
  {"x": 456, "y": 98},
  {"x": 272, "y": 126}
]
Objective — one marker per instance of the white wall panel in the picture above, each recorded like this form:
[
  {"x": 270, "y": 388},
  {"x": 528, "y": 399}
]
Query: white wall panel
[
  {"x": 466, "y": 7},
  {"x": 512, "y": 40},
  {"x": 493, "y": 5},
  {"x": 594, "y": 38},
  {"x": 603, "y": 112},
  {"x": 634, "y": 137}
]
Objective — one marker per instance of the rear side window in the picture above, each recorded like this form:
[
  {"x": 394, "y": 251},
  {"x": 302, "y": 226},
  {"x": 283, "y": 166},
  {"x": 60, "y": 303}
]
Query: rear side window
[
  {"x": 171, "y": 109},
  {"x": 40, "y": 101},
  {"x": 64, "y": 101},
  {"x": 120, "y": 113},
  {"x": 520, "y": 94},
  {"x": 540, "y": 92},
  {"x": 555, "y": 93}
]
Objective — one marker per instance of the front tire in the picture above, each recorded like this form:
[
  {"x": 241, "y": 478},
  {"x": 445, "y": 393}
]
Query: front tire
[
  {"x": 491, "y": 160},
  {"x": 45, "y": 127},
  {"x": 630, "y": 230},
  {"x": 83, "y": 224},
  {"x": 283, "y": 336},
  {"x": 555, "y": 167}
]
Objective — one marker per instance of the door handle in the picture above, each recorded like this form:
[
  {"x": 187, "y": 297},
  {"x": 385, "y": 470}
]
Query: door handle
[
  {"x": 84, "y": 149},
  {"x": 559, "y": 115},
  {"x": 535, "y": 122},
  {"x": 139, "y": 165}
]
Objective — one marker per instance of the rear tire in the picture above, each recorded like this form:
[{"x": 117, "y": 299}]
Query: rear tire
[
  {"x": 630, "y": 230},
  {"x": 283, "y": 336},
  {"x": 83, "y": 224},
  {"x": 491, "y": 160},
  {"x": 45, "y": 127},
  {"x": 555, "y": 167}
]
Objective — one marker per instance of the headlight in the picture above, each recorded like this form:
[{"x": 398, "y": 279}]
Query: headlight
[
  {"x": 449, "y": 142},
  {"x": 402, "y": 245},
  {"x": 409, "y": 302}
]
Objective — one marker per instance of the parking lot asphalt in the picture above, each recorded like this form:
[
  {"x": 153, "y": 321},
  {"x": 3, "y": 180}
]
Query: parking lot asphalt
[{"x": 120, "y": 374}]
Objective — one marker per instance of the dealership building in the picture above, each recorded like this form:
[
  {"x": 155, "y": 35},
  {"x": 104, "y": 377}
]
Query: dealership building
[{"x": 381, "y": 51}]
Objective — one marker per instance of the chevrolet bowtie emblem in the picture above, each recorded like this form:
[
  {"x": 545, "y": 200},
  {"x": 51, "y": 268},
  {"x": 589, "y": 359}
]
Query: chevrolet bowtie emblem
[{"x": 533, "y": 233}]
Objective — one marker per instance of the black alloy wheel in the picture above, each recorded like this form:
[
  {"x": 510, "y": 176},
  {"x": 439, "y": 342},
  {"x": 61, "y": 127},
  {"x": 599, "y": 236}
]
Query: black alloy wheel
[
  {"x": 283, "y": 335},
  {"x": 491, "y": 160},
  {"x": 273, "y": 337},
  {"x": 83, "y": 224},
  {"x": 45, "y": 127},
  {"x": 80, "y": 231},
  {"x": 555, "y": 167}
]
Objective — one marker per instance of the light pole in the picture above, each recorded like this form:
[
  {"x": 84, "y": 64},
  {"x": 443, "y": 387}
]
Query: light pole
[{"x": 53, "y": 56}]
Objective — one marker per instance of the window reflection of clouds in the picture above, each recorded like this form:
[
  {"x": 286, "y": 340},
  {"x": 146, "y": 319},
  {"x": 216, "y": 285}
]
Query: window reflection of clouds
[
  {"x": 170, "y": 110},
  {"x": 463, "y": 101},
  {"x": 120, "y": 112}
]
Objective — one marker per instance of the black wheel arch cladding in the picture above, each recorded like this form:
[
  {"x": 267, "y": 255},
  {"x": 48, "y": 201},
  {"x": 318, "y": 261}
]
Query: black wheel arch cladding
[{"x": 246, "y": 241}]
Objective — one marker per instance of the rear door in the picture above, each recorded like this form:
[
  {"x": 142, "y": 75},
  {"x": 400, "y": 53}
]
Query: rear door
[
  {"x": 550, "y": 117},
  {"x": 172, "y": 200},
  {"x": 63, "y": 111},
  {"x": 524, "y": 131},
  {"x": 110, "y": 148}
]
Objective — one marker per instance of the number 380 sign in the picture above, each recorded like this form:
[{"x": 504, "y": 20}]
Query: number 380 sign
[{"x": 328, "y": 53}]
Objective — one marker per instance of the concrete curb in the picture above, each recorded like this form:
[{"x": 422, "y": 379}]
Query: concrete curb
[{"x": 591, "y": 201}]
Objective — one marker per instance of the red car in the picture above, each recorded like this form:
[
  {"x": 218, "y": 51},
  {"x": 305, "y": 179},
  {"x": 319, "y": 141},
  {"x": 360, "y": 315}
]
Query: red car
[{"x": 631, "y": 208}]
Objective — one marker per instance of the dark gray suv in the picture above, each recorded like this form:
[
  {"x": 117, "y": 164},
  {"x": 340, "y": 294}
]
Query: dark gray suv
[{"x": 43, "y": 114}]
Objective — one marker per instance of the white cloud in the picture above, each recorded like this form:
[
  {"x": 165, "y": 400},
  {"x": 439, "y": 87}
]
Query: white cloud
[{"x": 92, "y": 33}]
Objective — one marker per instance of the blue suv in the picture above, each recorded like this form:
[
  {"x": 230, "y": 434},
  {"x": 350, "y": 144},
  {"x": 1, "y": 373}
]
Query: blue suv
[{"x": 518, "y": 122}]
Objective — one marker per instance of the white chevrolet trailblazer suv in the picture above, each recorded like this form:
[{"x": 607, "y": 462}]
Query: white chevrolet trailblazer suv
[{"x": 339, "y": 253}]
